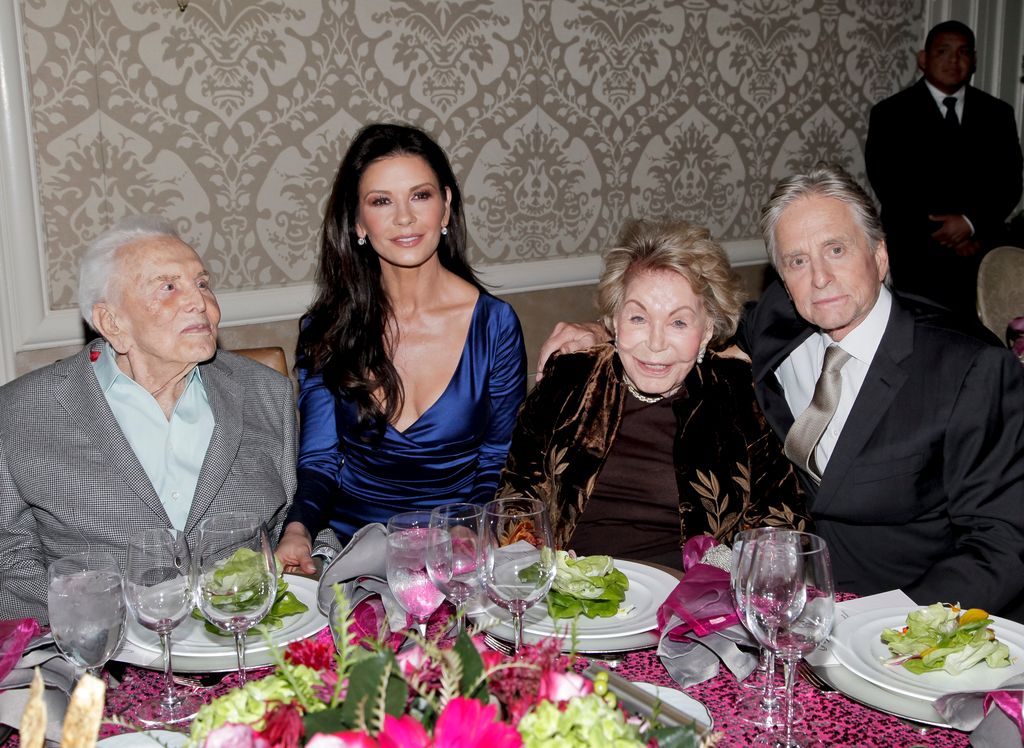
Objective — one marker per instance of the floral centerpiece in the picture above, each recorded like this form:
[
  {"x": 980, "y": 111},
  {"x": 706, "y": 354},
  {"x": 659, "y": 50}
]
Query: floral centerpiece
[{"x": 351, "y": 694}]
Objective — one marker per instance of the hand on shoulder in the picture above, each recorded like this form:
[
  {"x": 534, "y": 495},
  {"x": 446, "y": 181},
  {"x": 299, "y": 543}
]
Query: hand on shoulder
[{"x": 569, "y": 337}]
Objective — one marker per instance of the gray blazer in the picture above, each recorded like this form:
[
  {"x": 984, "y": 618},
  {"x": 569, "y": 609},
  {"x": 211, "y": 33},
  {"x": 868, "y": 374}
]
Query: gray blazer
[{"x": 70, "y": 482}]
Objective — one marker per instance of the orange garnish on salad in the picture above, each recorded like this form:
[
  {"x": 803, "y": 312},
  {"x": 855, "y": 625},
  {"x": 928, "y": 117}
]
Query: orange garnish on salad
[{"x": 972, "y": 615}]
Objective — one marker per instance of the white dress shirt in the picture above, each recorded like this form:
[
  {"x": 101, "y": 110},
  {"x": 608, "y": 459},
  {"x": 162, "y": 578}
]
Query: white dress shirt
[
  {"x": 940, "y": 96},
  {"x": 798, "y": 374}
]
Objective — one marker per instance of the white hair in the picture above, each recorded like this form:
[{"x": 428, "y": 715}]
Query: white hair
[{"x": 98, "y": 266}]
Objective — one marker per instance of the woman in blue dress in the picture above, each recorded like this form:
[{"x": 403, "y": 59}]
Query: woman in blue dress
[{"x": 410, "y": 373}]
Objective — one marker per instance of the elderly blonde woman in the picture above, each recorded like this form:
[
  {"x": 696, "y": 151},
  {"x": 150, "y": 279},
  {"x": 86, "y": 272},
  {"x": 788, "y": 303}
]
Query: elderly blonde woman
[{"x": 640, "y": 443}]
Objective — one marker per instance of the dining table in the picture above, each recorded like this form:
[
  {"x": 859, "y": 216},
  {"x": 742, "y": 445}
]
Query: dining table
[{"x": 831, "y": 717}]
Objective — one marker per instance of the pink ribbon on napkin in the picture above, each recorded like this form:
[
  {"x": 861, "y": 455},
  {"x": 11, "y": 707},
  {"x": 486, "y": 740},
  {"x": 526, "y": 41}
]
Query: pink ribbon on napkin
[
  {"x": 703, "y": 600},
  {"x": 14, "y": 637},
  {"x": 1011, "y": 702}
]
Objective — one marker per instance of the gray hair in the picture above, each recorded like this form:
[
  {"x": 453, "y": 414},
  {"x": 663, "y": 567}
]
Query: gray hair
[
  {"x": 824, "y": 180},
  {"x": 680, "y": 247},
  {"x": 98, "y": 266}
]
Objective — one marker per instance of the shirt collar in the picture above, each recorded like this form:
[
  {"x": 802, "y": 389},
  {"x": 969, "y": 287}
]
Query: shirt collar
[
  {"x": 107, "y": 371},
  {"x": 862, "y": 341},
  {"x": 940, "y": 95}
]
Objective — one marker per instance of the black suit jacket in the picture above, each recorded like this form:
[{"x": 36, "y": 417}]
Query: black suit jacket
[
  {"x": 918, "y": 165},
  {"x": 925, "y": 488}
]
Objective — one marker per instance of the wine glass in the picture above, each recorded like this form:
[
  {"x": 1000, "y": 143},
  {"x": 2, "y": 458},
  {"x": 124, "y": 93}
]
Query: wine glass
[
  {"x": 409, "y": 537},
  {"x": 760, "y": 707},
  {"x": 158, "y": 588},
  {"x": 453, "y": 556},
  {"x": 790, "y": 608},
  {"x": 519, "y": 556},
  {"x": 85, "y": 602},
  {"x": 236, "y": 575}
]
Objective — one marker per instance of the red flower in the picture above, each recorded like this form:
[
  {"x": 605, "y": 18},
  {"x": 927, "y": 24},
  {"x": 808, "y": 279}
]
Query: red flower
[
  {"x": 403, "y": 733},
  {"x": 283, "y": 726},
  {"x": 312, "y": 653}
]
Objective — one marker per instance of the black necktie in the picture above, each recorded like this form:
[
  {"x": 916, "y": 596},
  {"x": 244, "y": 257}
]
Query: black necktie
[{"x": 950, "y": 103}]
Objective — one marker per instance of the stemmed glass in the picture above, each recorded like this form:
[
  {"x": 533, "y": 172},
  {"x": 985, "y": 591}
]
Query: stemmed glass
[
  {"x": 236, "y": 575},
  {"x": 761, "y": 707},
  {"x": 790, "y": 608},
  {"x": 158, "y": 588},
  {"x": 409, "y": 537},
  {"x": 453, "y": 556},
  {"x": 85, "y": 603},
  {"x": 519, "y": 556}
]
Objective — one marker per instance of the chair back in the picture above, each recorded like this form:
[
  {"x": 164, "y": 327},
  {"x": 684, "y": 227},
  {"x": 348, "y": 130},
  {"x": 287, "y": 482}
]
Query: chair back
[
  {"x": 1001, "y": 288},
  {"x": 272, "y": 356}
]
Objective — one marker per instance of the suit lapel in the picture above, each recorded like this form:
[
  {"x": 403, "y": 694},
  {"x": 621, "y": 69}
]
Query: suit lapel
[
  {"x": 226, "y": 402},
  {"x": 79, "y": 394},
  {"x": 884, "y": 379}
]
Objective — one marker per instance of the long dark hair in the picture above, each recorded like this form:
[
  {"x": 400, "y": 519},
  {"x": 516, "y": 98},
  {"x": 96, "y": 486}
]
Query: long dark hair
[{"x": 344, "y": 334}]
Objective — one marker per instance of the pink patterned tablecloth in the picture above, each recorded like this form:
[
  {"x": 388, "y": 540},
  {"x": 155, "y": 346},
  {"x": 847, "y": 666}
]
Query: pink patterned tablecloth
[{"x": 836, "y": 720}]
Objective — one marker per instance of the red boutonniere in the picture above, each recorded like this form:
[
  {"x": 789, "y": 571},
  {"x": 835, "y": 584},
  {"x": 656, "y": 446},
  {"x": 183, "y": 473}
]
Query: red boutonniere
[{"x": 94, "y": 356}]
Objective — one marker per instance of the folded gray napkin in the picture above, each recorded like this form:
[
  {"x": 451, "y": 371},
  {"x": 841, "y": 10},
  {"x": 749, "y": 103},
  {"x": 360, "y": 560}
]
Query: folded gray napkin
[
  {"x": 966, "y": 711},
  {"x": 59, "y": 678},
  {"x": 361, "y": 570},
  {"x": 697, "y": 659}
]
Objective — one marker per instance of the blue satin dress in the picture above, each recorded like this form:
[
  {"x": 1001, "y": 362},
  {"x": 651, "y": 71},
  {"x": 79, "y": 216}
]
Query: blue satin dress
[{"x": 454, "y": 452}]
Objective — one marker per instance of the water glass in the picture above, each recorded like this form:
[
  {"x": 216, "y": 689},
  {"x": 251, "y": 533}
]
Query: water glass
[
  {"x": 158, "y": 588},
  {"x": 519, "y": 556},
  {"x": 85, "y": 603},
  {"x": 235, "y": 575},
  {"x": 409, "y": 537},
  {"x": 790, "y": 609},
  {"x": 453, "y": 556}
]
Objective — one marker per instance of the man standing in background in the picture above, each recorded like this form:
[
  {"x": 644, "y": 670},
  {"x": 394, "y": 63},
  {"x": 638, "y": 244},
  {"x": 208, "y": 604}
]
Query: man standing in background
[{"x": 944, "y": 159}]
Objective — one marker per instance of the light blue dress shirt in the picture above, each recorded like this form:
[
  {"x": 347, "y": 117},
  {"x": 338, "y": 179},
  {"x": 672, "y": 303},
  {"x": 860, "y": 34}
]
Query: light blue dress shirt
[{"x": 171, "y": 451}]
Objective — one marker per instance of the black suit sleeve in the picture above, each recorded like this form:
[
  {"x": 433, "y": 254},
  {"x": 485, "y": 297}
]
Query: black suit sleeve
[{"x": 984, "y": 475}]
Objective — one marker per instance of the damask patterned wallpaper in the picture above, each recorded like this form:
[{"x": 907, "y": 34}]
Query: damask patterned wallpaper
[{"x": 562, "y": 117}]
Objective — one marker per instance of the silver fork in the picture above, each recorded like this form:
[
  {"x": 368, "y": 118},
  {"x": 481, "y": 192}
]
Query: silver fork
[{"x": 812, "y": 678}]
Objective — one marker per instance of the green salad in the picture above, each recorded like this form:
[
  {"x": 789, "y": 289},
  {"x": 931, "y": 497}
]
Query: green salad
[
  {"x": 589, "y": 585},
  {"x": 241, "y": 577},
  {"x": 942, "y": 637}
]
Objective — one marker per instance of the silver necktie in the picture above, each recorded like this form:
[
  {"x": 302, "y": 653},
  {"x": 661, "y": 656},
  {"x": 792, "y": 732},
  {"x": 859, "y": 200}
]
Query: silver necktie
[{"x": 803, "y": 437}]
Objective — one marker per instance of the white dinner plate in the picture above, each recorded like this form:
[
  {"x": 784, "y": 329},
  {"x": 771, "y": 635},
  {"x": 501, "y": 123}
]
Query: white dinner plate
[
  {"x": 867, "y": 693},
  {"x": 681, "y": 701},
  {"x": 857, "y": 644},
  {"x": 197, "y": 650},
  {"x": 648, "y": 589},
  {"x": 144, "y": 739}
]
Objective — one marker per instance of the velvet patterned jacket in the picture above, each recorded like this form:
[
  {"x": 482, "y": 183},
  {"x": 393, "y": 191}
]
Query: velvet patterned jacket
[{"x": 730, "y": 468}]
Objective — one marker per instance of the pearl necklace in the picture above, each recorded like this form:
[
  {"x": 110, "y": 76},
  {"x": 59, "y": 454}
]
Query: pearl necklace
[{"x": 637, "y": 394}]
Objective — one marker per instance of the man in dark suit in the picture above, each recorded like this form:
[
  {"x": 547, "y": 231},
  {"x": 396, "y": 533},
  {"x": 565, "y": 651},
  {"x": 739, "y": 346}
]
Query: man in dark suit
[
  {"x": 945, "y": 161},
  {"x": 149, "y": 426},
  {"x": 918, "y": 478}
]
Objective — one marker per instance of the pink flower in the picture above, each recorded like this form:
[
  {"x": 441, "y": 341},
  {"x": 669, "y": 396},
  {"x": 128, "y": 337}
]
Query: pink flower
[
  {"x": 561, "y": 686},
  {"x": 403, "y": 733},
  {"x": 351, "y": 739},
  {"x": 235, "y": 736},
  {"x": 467, "y": 723}
]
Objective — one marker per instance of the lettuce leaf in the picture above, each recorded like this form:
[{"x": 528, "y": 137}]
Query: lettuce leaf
[{"x": 590, "y": 586}]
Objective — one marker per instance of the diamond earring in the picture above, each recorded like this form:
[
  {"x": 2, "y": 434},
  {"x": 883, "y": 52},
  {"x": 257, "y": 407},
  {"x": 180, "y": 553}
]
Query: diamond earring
[
  {"x": 444, "y": 231},
  {"x": 362, "y": 241}
]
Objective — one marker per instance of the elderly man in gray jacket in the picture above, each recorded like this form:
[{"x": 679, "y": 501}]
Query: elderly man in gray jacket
[{"x": 149, "y": 426}]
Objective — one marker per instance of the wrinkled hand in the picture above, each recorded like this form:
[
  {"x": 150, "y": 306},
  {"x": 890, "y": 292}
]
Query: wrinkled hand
[
  {"x": 568, "y": 337},
  {"x": 294, "y": 552},
  {"x": 954, "y": 229}
]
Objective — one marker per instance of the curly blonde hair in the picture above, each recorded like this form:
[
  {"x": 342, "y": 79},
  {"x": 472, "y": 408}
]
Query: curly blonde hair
[{"x": 678, "y": 246}]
